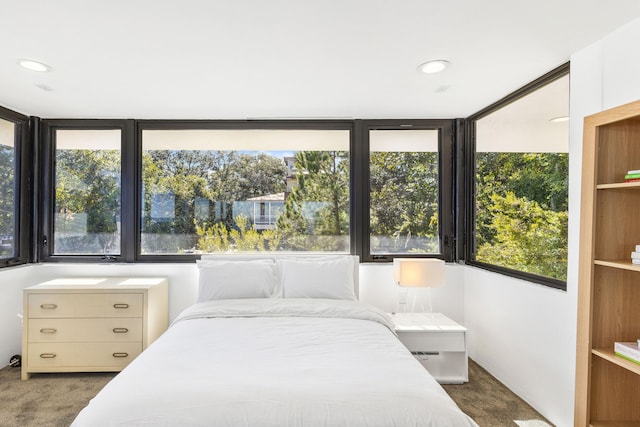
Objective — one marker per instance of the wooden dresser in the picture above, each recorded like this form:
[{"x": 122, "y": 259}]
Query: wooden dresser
[{"x": 91, "y": 324}]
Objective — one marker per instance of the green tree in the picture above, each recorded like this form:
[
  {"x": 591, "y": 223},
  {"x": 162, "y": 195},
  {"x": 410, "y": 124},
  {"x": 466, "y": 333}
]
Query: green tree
[
  {"x": 532, "y": 190},
  {"x": 317, "y": 209},
  {"x": 7, "y": 180},
  {"x": 527, "y": 237},
  {"x": 244, "y": 238},
  {"x": 404, "y": 199},
  {"x": 214, "y": 180},
  {"x": 88, "y": 183}
]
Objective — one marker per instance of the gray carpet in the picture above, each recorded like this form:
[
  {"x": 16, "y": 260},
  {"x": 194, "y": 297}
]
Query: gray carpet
[
  {"x": 490, "y": 403},
  {"x": 53, "y": 400}
]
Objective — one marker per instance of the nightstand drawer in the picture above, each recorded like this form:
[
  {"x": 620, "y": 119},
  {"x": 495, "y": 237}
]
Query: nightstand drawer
[
  {"x": 433, "y": 341},
  {"x": 56, "y": 305},
  {"x": 117, "y": 329},
  {"x": 43, "y": 356}
]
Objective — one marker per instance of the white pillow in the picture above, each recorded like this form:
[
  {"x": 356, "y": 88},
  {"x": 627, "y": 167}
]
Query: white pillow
[
  {"x": 235, "y": 279},
  {"x": 305, "y": 278}
]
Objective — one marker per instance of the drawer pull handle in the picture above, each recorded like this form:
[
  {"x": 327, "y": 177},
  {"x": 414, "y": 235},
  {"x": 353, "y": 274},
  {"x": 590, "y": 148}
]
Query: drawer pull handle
[
  {"x": 48, "y": 306},
  {"x": 120, "y": 330},
  {"x": 48, "y": 331},
  {"x": 120, "y": 305},
  {"x": 120, "y": 354},
  {"x": 47, "y": 355}
]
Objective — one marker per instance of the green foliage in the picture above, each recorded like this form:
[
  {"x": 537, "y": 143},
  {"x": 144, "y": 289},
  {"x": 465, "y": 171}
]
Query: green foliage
[
  {"x": 7, "y": 180},
  {"x": 212, "y": 238},
  {"x": 245, "y": 238},
  {"x": 317, "y": 209},
  {"x": 7, "y": 194},
  {"x": 404, "y": 199},
  {"x": 218, "y": 176},
  {"x": 527, "y": 237},
  {"x": 521, "y": 211},
  {"x": 88, "y": 183}
]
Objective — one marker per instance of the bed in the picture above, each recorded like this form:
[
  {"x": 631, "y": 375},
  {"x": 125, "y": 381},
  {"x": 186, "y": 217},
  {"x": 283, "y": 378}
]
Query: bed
[{"x": 275, "y": 342}]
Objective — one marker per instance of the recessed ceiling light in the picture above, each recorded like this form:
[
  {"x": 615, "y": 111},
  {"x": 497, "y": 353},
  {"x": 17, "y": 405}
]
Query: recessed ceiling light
[
  {"x": 32, "y": 65},
  {"x": 559, "y": 119},
  {"x": 435, "y": 66}
]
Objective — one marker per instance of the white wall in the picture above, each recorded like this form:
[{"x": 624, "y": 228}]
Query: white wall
[
  {"x": 12, "y": 281},
  {"x": 522, "y": 333}
]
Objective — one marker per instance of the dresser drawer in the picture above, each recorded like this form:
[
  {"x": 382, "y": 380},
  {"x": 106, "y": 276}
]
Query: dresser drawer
[
  {"x": 433, "y": 341},
  {"x": 115, "y": 329},
  {"x": 43, "y": 356},
  {"x": 57, "y": 305}
]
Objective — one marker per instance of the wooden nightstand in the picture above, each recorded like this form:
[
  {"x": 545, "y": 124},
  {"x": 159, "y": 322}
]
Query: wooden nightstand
[
  {"x": 91, "y": 324},
  {"x": 438, "y": 342}
]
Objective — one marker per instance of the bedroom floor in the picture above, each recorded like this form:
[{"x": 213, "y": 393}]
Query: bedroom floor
[
  {"x": 490, "y": 403},
  {"x": 55, "y": 399}
]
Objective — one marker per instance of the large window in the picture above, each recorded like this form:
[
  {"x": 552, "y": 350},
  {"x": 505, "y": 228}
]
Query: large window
[
  {"x": 14, "y": 201},
  {"x": 87, "y": 192},
  {"x": 404, "y": 196},
  {"x": 84, "y": 191},
  {"x": 244, "y": 190},
  {"x": 519, "y": 221},
  {"x": 130, "y": 191},
  {"x": 409, "y": 189}
]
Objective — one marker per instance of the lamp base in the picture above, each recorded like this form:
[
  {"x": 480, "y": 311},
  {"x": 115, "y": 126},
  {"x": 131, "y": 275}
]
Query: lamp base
[{"x": 403, "y": 296}]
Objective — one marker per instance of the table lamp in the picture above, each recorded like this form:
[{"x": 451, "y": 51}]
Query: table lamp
[{"x": 417, "y": 273}]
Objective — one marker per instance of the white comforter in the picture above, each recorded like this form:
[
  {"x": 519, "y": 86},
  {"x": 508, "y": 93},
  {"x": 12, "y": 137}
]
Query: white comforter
[{"x": 275, "y": 362}]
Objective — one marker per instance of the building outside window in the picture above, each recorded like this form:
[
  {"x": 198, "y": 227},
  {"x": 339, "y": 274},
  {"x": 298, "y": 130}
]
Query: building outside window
[
  {"x": 170, "y": 190},
  {"x": 221, "y": 190}
]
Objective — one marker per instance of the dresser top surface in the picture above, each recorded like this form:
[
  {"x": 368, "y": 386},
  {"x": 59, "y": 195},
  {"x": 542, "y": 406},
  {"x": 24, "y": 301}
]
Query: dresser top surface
[{"x": 98, "y": 283}]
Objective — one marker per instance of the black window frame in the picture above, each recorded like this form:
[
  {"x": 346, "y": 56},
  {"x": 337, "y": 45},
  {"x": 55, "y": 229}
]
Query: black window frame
[
  {"x": 132, "y": 180},
  {"x": 142, "y": 125},
  {"x": 467, "y": 191},
  {"x": 446, "y": 174},
  {"x": 48, "y": 128},
  {"x": 22, "y": 188}
]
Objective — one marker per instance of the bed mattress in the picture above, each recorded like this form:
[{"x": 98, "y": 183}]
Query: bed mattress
[{"x": 275, "y": 362}]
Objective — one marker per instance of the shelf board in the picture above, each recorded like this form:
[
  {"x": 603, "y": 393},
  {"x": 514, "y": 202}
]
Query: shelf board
[
  {"x": 620, "y": 186},
  {"x": 614, "y": 424},
  {"x": 624, "y": 264},
  {"x": 609, "y": 355}
]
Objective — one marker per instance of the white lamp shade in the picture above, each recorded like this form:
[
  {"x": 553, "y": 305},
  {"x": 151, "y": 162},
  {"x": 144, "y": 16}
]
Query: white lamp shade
[{"x": 418, "y": 272}]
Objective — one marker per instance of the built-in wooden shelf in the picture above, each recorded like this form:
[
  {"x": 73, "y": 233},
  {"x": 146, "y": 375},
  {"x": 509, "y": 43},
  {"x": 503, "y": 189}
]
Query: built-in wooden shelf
[
  {"x": 608, "y": 386},
  {"x": 609, "y": 355},
  {"x": 619, "y": 186},
  {"x": 623, "y": 264},
  {"x": 615, "y": 424}
]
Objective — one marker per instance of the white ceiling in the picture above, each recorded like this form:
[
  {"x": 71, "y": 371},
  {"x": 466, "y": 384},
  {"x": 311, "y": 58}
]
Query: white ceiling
[{"x": 236, "y": 59}]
